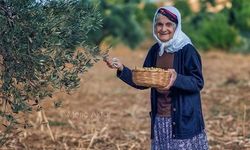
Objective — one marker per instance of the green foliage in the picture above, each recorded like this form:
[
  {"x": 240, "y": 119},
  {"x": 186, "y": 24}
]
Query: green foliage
[
  {"x": 120, "y": 23},
  {"x": 214, "y": 32},
  {"x": 149, "y": 10},
  {"x": 38, "y": 50},
  {"x": 239, "y": 17},
  {"x": 146, "y": 15},
  {"x": 209, "y": 30},
  {"x": 240, "y": 14},
  {"x": 183, "y": 7},
  {"x": 217, "y": 30}
]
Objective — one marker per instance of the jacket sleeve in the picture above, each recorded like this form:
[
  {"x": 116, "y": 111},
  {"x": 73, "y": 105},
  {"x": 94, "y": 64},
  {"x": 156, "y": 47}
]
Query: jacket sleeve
[
  {"x": 192, "y": 81},
  {"x": 126, "y": 74}
]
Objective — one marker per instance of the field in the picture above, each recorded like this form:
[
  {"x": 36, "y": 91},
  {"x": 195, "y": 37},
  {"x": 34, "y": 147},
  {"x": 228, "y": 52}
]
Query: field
[{"x": 106, "y": 114}]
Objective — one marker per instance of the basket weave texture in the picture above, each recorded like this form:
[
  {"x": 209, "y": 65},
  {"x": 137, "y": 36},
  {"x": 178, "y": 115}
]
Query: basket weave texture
[{"x": 151, "y": 77}]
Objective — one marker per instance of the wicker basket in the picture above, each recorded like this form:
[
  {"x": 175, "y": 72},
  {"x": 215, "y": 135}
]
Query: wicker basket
[{"x": 151, "y": 77}]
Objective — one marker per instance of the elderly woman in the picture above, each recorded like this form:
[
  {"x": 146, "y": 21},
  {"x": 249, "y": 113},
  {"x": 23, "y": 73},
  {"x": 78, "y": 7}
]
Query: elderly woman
[{"x": 176, "y": 113}]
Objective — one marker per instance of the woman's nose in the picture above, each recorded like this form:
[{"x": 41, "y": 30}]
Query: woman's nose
[{"x": 164, "y": 28}]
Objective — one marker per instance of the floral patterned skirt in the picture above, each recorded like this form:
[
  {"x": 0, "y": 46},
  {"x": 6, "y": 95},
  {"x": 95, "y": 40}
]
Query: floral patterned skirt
[{"x": 163, "y": 138}]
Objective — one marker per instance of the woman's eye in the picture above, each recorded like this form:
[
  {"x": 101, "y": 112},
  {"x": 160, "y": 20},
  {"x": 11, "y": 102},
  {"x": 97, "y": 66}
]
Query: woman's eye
[
  {"x": 169, "y": 24},
  {"x": 159, "y": 24}
]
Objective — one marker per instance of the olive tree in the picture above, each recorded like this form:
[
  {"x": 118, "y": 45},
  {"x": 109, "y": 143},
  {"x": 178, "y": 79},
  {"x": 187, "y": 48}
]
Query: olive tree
[{"x": 39, "y": 52}]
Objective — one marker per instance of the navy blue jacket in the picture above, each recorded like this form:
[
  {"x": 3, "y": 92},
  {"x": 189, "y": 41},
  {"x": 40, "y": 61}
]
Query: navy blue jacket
[{"x": 186, "y": 111}]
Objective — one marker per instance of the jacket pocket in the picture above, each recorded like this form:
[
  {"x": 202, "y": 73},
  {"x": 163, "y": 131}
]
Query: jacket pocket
[{"x": 187, "y": 113}]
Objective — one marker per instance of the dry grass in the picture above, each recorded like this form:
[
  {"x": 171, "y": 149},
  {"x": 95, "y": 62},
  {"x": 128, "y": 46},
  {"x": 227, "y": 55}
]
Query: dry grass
[{"x": 105, "y": 114}]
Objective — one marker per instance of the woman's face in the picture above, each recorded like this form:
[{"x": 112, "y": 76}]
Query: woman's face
[{"x": 164, "y": 28}]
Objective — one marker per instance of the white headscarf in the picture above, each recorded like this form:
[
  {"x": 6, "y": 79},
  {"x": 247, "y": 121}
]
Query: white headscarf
[{"x": 179, "y": 40}]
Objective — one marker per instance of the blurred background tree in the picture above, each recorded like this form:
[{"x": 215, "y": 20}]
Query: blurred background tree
[
  {"x": 39, "y": 52},
  {"x": 218, "y": 30},
  {"x": 239, "y": 17},
  {"x": 124, "y": 21}
]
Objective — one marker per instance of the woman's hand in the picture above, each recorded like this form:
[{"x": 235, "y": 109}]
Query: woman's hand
[
  {"x": 173, "y": 76},
  {"x": 113, "y": 63}
]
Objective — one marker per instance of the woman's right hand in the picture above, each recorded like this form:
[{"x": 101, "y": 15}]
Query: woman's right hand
[{"x": 113, "y": 63}]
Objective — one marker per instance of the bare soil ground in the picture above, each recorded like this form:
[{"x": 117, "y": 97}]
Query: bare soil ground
[{"x": 106, "y": 114}]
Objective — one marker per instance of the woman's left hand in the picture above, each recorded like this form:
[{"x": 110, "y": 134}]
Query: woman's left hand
[{"x": 173, "y": 76}]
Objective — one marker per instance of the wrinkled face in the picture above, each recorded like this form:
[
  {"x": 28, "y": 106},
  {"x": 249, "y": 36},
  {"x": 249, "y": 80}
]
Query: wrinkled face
[{"x": 164, "y": 28}]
